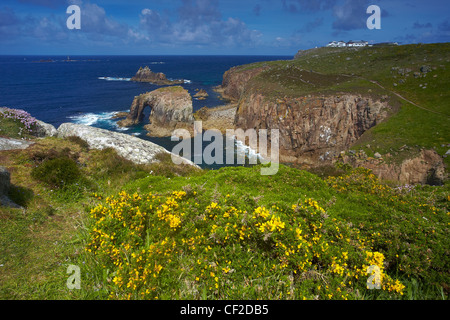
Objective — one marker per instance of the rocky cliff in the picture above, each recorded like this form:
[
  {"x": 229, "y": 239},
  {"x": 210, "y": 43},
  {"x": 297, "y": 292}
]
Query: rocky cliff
[
  {"x": 171, "y": 108},
  {"x": 147, "y": 75},
  {"x": 312, "y": 128},
  {"x": 235, "y": 81},
  {"x": 315, "y": 127}
]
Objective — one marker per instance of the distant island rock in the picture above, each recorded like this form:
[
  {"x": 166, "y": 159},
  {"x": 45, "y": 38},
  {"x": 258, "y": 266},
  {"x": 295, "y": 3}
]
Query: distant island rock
[
  {"x": 201, "y": 95},
  {"x": 171, "y": 108},
  {"x": 147, "y": 75}
]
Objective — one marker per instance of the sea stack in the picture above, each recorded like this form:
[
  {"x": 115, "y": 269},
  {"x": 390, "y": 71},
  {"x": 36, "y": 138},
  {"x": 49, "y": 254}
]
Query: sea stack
[{"x": 147, "y": 75}]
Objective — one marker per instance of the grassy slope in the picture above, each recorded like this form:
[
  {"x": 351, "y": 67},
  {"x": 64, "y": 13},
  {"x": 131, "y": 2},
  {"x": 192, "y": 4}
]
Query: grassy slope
[
  {"x": 39, "y": 243},
  {"x": 325, "y": 68}
]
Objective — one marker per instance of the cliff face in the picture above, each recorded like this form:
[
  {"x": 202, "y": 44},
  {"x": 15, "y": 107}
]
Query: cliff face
[
  {"x": 235, "y": 81},
  {"x": 311, "y": 128},
  {"x": 147, "y": 75},
  {"x": 171, "y": 107}
]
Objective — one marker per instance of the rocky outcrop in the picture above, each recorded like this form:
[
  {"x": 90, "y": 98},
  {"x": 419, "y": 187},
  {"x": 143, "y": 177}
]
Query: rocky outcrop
[
  {"x": 201, "y": 95},
  {"x": 147, "y": 75},
  {"x": 132, "y": 148},
  {"x": 312, "y": 129},
  {"x": 235, "y": 80},
  {"x": 5, "y": 184},
  {"x": 171, "y": 108},
  {"x": 45, "y": 130},
  {"x": 427, "y": 167},
  {"x": 4, "y": 181},
  {"x": 14, "y": 144},
  {"x": 40, "y": 128},
  {"x": 219, "y": 118}
]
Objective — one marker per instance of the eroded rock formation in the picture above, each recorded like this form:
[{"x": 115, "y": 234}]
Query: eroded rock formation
[
  {"x": 201, "y": 95},
  {"x": 234, "y": 82},
  {"x": 171, "y": 108},
  {"x": 147, "y": 75}
]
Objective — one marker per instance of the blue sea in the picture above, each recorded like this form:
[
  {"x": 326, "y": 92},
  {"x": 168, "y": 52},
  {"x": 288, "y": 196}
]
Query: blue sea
[{"x": 91, "y": 89}]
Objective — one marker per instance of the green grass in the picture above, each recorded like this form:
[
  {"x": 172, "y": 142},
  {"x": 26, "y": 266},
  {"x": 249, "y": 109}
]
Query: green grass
[
  {"x": 40, "y": 243},
  {"x": 408, "y": 228}
]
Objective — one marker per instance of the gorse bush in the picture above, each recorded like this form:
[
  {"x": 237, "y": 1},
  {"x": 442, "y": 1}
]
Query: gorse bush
[{"x": 173, "y": 247}]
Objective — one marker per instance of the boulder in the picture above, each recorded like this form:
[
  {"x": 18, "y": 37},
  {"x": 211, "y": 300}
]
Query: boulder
[
  {"x": 5, "y": 181},
  {"x": 45, "y": 129},
  {"x": 132, "y": 148},
  {"x": 5, "y": 184},
  {"x": 14, "y": 144},
  {"x": 425, "y": 69}
]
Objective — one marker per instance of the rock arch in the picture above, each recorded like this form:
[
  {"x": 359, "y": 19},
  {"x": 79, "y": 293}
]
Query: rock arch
[{"x": 170, "y": 107}]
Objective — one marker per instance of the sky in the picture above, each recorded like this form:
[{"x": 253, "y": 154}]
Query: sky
[{"x": 212, "y": 27}]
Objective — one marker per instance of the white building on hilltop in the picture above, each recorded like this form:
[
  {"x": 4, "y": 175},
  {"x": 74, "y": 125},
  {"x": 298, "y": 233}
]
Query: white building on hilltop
[
  {"x": 360, "y": 43},
  {"x": 337, "y": 44},
  {"x": 342, "y": 44}
]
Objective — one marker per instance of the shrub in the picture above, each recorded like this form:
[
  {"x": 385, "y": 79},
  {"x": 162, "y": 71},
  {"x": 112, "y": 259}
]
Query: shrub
[
  {"x": 82, "y": 143},
  {"x": 41, "y": 155},
  {"x": 57, "y": 172},
  {"x": 178, "y": 247}
]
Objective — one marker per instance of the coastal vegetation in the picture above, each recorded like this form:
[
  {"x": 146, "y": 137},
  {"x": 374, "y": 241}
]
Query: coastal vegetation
[{"x": 161, "y": 231}]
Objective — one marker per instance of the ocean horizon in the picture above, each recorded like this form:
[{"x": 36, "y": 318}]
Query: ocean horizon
[{"x": 91, "y": 89}]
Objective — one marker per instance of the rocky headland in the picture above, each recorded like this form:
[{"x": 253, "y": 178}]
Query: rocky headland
[
  {"x": 159, "y": 78},
  {"x": 320, "y": 126}
]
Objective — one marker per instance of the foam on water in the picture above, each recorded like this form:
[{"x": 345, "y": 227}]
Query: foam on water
[
  {"x": 102, "y": 120},
  {"x": 114, "y": 79},
  {"x": 249, "y": 152}
]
